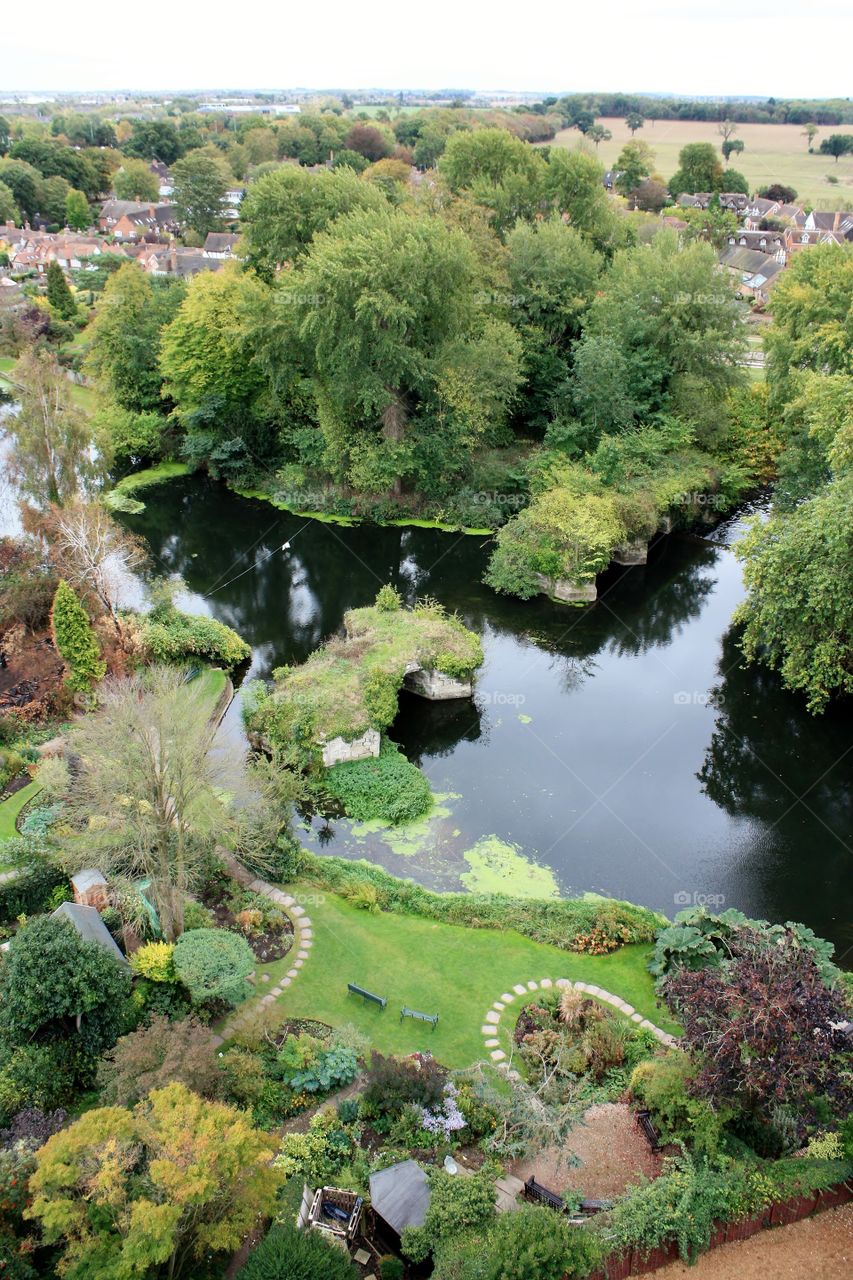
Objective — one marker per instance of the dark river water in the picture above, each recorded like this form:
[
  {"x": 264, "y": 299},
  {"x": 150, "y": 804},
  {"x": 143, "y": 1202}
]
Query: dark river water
[{"x": 621, "y": 747}]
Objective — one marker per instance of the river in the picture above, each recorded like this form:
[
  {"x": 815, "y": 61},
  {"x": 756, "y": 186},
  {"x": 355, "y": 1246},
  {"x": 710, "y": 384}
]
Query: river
[{"x": 619, "y": 748}]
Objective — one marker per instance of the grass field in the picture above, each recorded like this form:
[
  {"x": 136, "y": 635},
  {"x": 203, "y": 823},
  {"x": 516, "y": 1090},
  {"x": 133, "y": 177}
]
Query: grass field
[
  {"x": 439, "y": 968},
  {"x": 773, "y": 153}
]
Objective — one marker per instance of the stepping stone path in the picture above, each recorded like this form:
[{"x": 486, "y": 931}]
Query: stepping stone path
[
  {"x": 303, "y": 941},
  {"x": 491, "y": 1021}
]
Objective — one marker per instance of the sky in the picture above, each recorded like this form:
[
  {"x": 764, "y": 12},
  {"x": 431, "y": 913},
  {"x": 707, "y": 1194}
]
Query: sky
[{"x": 781, "y": 47}]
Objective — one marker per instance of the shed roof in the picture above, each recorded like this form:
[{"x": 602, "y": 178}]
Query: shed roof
[
  {"x": 400, "y": 1195},
  {"x": 90, "y": 926},
  {"x": 88, "y": 878}
]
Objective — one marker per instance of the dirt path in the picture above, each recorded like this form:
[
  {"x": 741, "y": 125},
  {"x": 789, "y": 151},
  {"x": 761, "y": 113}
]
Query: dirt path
[
  {"x": 818, "y": 1248},
  {"x": 612, "y": 1151}
]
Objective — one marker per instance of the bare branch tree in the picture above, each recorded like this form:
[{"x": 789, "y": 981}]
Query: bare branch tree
[{"x": 93, "y": 554}]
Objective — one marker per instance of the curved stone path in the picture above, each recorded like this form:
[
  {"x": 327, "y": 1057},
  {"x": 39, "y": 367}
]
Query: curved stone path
[
  {"x": 491, "y": 1021},
  {"x": 303, "y": 940}
]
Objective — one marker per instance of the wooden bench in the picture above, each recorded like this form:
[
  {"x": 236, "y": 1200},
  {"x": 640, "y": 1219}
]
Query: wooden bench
[
  {"x": 644, "y": 1120},
  {"x": 534, "y": 1191},
  {"x": 589, "y": 1207},
  {"x": 355, "y": 990},
  {"x": 419, "y": 1017}
]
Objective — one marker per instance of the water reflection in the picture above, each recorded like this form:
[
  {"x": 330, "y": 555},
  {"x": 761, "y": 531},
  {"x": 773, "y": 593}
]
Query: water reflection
[{"x": 591, "y": 744}]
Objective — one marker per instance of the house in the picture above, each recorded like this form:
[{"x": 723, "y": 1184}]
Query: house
[
  {"x": 611, "y": 177},
  {"x": 12, "y": 296},
  {"x": 734, "y": 201},
  {"x": 71, "y": 252},
  {"x": 772, "y": 242},
  {"x": 757, "y": 209},
  {"x": 220, "y": 244},
  {"x": 820, "y": 227},
  {"x": 131, "y": 219},
  {"x": 755, "y": 270},
  {"x": 90, "y": 927},
  {"x": 90, "y": 889},
  {"x": 164, "y": 177},
  {"x": 698, "y": 200}
]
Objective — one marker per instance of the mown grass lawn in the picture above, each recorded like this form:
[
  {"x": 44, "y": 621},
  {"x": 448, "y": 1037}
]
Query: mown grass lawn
[
  {"x": 9, "y": 811},
  {"x": 438, "y": 968}
]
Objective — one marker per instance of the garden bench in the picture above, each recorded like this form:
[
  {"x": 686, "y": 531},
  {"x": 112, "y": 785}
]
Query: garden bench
[
  {"x": 192, "y": 673},
  {"x": 534, "y": 1191},
  {"x": 644, "y": 1120},
  {"x": 589, "y": 1207},
  {"x": 419, "y": 1017},
  {"x": 367, "y": 995}
]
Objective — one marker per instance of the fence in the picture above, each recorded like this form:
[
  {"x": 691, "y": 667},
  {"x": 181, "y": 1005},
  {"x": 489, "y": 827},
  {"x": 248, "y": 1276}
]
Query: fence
[{"x": 637, "y": 1262}]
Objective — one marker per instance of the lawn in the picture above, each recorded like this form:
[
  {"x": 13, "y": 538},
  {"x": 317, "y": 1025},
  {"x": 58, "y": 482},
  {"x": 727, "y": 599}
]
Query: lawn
[
  {"x": 773, "y": 153},
  {"x": 437, "y": 968},
  {"x": 9, "y": 811}
]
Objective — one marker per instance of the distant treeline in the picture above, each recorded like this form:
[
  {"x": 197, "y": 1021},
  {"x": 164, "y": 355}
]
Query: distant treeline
[{"x": 771, "y": 111}]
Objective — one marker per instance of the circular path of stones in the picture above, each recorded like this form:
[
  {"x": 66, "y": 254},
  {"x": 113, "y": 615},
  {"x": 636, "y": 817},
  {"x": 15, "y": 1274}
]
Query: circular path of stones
[
  {"x": 492, "y": 1019},
  {"x": 303, "y": 940}
]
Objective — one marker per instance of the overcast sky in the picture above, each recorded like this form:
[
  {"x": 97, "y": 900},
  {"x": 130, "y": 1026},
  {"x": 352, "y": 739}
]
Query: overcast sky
[{"x": 755, "y": 47}]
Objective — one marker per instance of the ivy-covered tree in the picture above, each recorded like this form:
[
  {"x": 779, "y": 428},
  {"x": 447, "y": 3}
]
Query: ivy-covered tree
[
  {"x": 179, "y": 1178},
  {"x": 75, "y": 640}
]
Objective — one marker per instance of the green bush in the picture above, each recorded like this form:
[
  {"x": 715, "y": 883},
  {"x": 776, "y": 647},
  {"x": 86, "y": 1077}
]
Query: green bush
[
  {"x": 533, "y": 1242},
  {"x": 213, "y": 964},
  {"x": 167, "y": 635},
  {"x": 332, "y": 1069},
  {"x": 388, "y": 787},
  {"x": 662, "y": 1085},
  {"x": 391, "y": 1268},
  {"x": 75, "y": 640},
  {"x": 29, "y": 892},
  {"x": 456, "y": 1205},
  {"x": 288, "y": 1254}
]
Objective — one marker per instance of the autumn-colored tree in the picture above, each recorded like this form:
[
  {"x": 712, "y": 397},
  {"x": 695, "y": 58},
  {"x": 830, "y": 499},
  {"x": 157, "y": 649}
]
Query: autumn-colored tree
[
  {"x": 177, "y": 1178},
  {"x": 135, "y": 181},
  {"x": 161, "y": 1053},
  {"x": 368, "y": 141}
]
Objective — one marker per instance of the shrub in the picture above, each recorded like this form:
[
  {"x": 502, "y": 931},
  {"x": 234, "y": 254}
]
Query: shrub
[
  {"x": 393, "y": 1083},
  {"x": 388, "y": 599},
  {"x": 533, "y": 1242},
  {"x": 213, "y": 964},
  {"x": 158, "y": 1054},
  {"x": 332, "y": 1069},
  {"x": 168, "y": 635},
  {"x": 45, "y": 1076},
  {"x": 28, "y": 893},
  {"x": 288, "y": 1254},
  {"x": 391, "y": 1268},
  {"x": 388, "y": 787},
  {"x": 75, "y": 640},
  {"x": 32, "y": 1127},
  {"x": 155, "y": 961},
  {"x": 456, "y": 1205},
  {"x": 197, "y": 916},
  {"x": 662, "y": 1084}
]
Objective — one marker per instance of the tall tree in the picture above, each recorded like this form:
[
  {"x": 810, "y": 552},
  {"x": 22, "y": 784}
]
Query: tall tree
[
  {"x": 636, "y": 161},
  {"x": 135, "y": 181},
  {"x": 490, "y": 154},
  {"x": 59, "y": 294},
  {"x": 634, "y": 121},
  {"x": 810, "y": 133},
  {"x": 159, "y": 1188},
  {"x": 126, "y": 333},
  {"x": 51, "y": 455},
  {"x": 78, "y": 215},
  {"x": 699, "y": 169},
  {"x": 200, "y": 182},
  {"x": 94, "y": 554},
  {"x": 147, "y": 789},
  {"x": 283, "y": 211}
]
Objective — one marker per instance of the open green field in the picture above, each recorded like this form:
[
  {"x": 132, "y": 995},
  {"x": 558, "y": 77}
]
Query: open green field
[
  {"x": 773, "y": 153},
  {"x": 450, "y": 970}
]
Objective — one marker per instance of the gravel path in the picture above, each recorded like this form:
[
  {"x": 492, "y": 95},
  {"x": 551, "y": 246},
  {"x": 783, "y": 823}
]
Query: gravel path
[
  {"x": 612, "y": 1151},
  {"x": 818, "y": 1248}
]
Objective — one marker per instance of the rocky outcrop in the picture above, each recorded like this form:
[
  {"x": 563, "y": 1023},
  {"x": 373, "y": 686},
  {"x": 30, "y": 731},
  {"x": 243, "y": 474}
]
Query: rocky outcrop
[
  {"x": 435, "y": 685},
  {"x": 567, "y": 592},
  {"x": 339, "y": 751},
  {"x": 636, "y": 552}
]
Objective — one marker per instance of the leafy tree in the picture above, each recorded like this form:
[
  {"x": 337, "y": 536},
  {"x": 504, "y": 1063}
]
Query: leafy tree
[
  {"x": 810, "y": 133},
  {"x": 761, "y": 1025},
  {"x": 410, "y": 373},
  {"x": 456, "y": 1205},
  {"x": 51, "y": 455},
  {"x": 158, "y": 1054},
  {"x": 836, "y": 145},
  {"x": 288, "y": 1254},
  {"x": 518, "y": 1246},
  {"x": 574, "y": 187},
  {"x": 634, "y": 121},
  {"x": 283, "y": 211},
  {"x": 213, "y": 964},
  {"x": 147, "y": 788},
  {"x": 732, "y": 146},
  {"x": 200, "y": 182},
  {"x": 59, "y": 294},
  {"x": 176, "y": 1179},
  {"x": 670, "y": 314},
  {"x": 75, "y": 640},
  {"x": 126, "y": 333},
  {"x": 733, "y": 180},
  {"x": 726, "y": 129},
  {"x": 599, "y": 134},
  {"x": 368, "y": 141},
  {"x": 135, "y": 181},
  {"x": 61, "y": 992},
  {"x": 778, "y": 191},
  {"x": 699, "y": 169},
  {"x": 78, "y": 215},
  {"x": 9, "y": 211},
  {"x": 798, "y": 614},
  {"x": 208, "y": 370},
  {"x": 812, "y": 318},
  {"x": 23, "y": 181},
  {"x": 487, "y": 154},
  {"x": 635, "y": 162},
  {"x": 154, "y": 140},
  {"x": 52, "y": 193}
]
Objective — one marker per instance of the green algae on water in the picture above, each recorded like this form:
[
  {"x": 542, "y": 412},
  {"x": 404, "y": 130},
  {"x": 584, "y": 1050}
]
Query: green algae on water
[{"x": 497, "y": 866}]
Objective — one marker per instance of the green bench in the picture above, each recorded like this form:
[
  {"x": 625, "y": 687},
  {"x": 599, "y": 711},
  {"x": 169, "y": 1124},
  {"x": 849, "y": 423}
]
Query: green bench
[
  {"x": 419, "y": 1017},
  {"x": 356, "y": 990}
]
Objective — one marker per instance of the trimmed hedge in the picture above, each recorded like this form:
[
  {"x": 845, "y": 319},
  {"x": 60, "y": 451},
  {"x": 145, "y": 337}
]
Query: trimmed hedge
[
  {"x": 28, "y": 893},
  {"x": 557, "y": 921}
]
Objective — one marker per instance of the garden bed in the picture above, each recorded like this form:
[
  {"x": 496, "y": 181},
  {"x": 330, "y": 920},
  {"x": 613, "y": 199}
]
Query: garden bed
[{"x": 267, "y": 929}]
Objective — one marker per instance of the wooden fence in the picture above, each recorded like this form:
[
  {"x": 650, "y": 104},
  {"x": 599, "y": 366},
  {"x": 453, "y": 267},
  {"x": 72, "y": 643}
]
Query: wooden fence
[{"x": 637, "y": 1262}]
